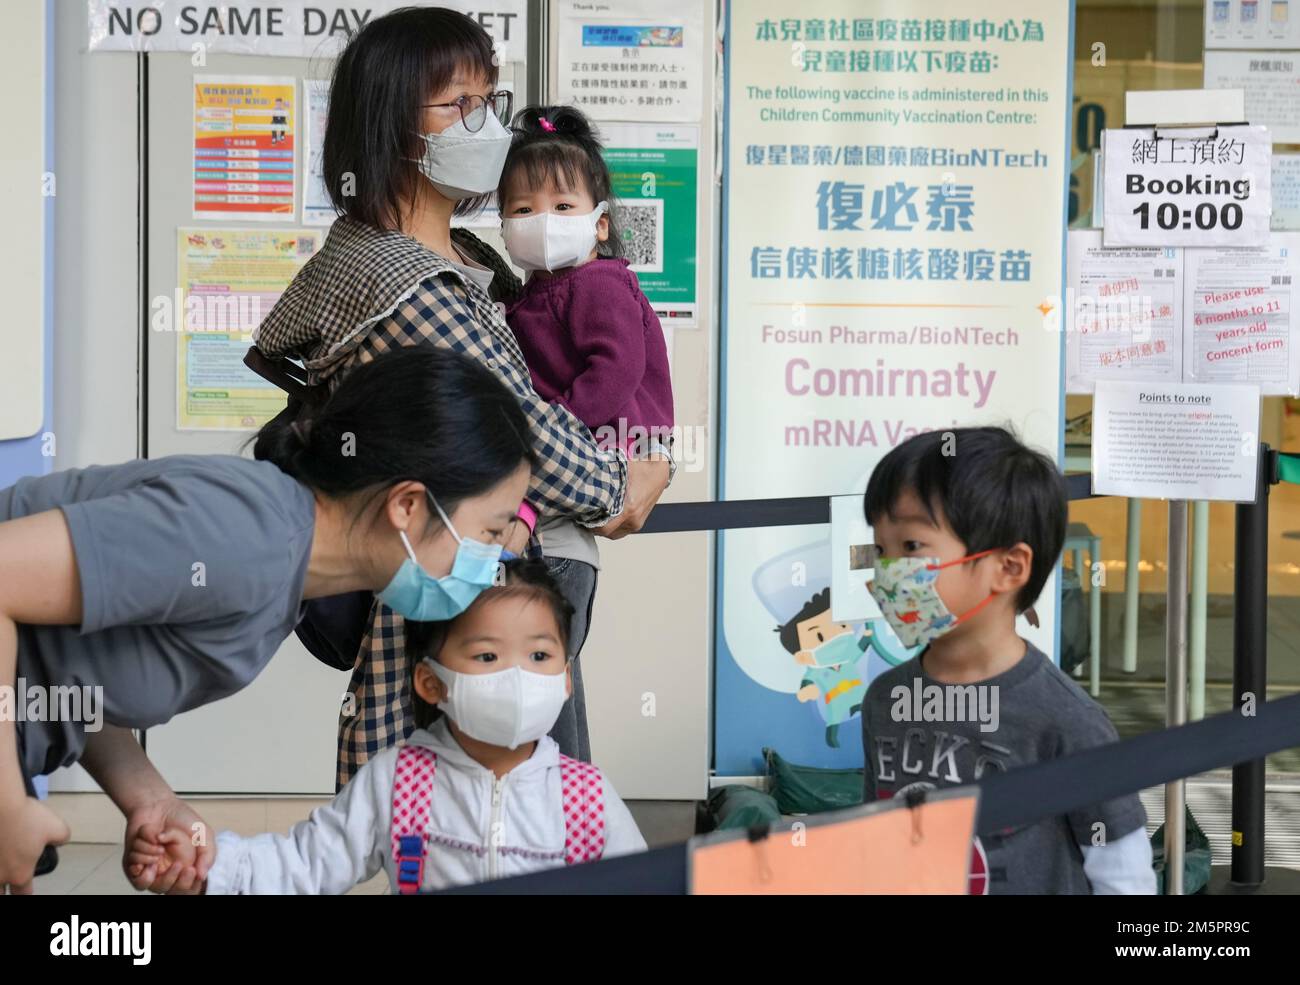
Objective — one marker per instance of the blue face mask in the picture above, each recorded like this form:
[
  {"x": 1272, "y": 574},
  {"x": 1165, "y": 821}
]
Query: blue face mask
[
  {"x": 416, "y": 594},
  {"x": 840, "y": 650}
]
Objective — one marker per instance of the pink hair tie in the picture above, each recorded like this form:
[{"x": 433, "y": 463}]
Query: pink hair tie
[{"x": 546, "y": 124}]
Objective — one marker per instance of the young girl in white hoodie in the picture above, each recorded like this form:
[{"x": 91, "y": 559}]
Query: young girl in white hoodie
[{"x": 479, "y": 791}]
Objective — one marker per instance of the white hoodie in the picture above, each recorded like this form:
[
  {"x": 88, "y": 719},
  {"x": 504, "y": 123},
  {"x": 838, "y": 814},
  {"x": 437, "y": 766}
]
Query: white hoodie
[{"x": 347, "y": 841}]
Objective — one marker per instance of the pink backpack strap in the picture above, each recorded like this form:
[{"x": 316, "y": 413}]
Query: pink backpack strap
[
  {"x": 412, "y": 795},
  {"x": 584, "y": 811}
]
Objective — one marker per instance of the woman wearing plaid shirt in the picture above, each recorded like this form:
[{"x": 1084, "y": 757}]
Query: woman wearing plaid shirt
[{"x": 413, "y": 137}]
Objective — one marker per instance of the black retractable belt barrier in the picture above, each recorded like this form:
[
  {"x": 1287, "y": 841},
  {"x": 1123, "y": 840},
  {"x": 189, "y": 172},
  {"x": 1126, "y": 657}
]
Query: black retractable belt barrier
[
  {"x": 734, "y": 514},
  {"x": 1021, "y": 796}
]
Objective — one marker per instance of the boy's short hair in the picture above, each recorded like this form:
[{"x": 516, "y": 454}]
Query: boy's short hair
[
  {"x": 993, "y": 491},
  {"x": 525, "y": 579}
]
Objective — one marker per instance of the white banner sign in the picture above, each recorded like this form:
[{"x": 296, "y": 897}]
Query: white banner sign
[
  {"x": 1198, "y": 187},
  {"x": 286, "y": 28}
]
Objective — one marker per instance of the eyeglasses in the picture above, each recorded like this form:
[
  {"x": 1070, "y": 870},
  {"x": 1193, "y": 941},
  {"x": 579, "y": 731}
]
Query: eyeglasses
[{"x": 474, "y": 109}]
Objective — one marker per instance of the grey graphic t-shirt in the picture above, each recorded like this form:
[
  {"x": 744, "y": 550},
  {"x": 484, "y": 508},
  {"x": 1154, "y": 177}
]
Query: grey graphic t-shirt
[
  {"x": 1030, "y": 713},
  {"x": 191, "y": 571}
]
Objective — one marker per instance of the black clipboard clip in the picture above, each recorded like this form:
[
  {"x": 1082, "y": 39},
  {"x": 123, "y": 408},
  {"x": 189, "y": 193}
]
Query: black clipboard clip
[
  {"x": 914, "y": 799},
  {"x": 757, "y": 835}
]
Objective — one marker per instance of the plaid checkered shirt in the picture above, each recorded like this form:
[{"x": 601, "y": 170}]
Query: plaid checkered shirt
[{"x": 366, "y": 292}]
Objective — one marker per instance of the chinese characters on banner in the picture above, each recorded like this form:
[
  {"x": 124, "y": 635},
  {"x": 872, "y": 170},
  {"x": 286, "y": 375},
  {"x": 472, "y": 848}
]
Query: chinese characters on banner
[
  {"x": 244, "y": 147},
  {"x": 894, "y": 208}
]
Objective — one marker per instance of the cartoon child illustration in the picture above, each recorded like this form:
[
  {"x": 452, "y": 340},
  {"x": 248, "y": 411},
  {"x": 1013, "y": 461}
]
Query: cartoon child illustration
[{"x": 830, "y": 652}]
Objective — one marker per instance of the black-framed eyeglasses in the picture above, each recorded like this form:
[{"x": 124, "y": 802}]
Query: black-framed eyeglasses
[{"x": 474, "y": 109}]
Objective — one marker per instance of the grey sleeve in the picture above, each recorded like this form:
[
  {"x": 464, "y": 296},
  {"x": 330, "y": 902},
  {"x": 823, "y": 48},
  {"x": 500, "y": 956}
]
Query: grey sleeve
[
  {"x": 177, "y": 549},
  {"x": 1109, "y": 821}
]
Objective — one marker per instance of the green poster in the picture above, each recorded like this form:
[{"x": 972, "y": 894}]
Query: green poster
[{"x": 654, "y": 173}]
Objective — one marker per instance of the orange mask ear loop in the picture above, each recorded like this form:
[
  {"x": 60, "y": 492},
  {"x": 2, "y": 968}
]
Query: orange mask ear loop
[{"x": 962, "y": 560}]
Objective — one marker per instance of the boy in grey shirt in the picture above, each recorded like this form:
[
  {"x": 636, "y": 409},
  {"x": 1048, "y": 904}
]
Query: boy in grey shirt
[{"x": 969, "y": 524}]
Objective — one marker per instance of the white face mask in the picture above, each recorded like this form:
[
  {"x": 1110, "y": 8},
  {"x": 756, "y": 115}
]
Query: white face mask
[
  {"x": 550, "y": 240},
  {"x": 506, "y": 708},
  {"x": 462, "y": 164}
]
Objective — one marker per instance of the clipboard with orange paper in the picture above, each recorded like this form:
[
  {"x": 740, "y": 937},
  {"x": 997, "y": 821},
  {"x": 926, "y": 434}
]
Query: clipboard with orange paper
[{"x": 887, "y": 847}]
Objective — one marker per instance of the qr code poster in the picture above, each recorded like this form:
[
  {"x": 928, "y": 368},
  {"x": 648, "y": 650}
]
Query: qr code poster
[
  {"x": 653, "y": 173},
  {"x": 643, "y": 235}
]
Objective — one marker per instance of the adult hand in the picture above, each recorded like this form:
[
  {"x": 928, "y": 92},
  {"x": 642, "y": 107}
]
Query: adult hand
[
  {"x": 26, "y": 827},
  {"x": 646, "y": 481},
  {"x": 169, "y": 848}
]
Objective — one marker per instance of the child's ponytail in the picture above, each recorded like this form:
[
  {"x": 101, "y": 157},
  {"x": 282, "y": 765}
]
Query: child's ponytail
[{"x": 558, "y": 144}]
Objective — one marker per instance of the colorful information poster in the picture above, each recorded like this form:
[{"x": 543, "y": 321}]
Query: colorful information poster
[
  {"x": 244, "y": 147},
  {"x": 1252, "y": 24},
  {"x": 229, "y": 279},
  {"x": 622, "y": 61},
  {"x": 894, "y": 214},
  {"x": 654, "y": 172}
]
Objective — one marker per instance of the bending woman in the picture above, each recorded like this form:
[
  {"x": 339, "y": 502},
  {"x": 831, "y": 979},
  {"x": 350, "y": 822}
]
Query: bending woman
[{"x": 154, "y": 587}]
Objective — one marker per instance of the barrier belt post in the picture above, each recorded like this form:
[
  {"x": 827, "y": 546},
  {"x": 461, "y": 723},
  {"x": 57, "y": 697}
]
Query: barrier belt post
[
  {"x": 1250, "y": 669},
  {"x": 1176, "y": 689}
]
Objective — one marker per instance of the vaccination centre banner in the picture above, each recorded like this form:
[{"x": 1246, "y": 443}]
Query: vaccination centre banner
[{"x": 894, "y": 214}]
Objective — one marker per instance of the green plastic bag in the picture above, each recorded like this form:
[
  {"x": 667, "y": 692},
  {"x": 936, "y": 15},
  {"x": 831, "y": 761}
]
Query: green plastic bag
[
  {"x": 810, "y": 789},
  {"x": 739, "y": 806},
  {"x": 1196, "y": 859}
]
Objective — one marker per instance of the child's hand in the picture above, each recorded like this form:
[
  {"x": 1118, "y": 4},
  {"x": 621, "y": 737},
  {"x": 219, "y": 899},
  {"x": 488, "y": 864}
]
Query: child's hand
[
  {"x": 26, "y": 827},
  {"x": 809, "y": 692},
  {"x": 169, "y": 848}
]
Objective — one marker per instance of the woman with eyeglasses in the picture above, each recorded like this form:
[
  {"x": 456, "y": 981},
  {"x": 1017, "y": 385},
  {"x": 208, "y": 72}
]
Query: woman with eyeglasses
[{"x": 415, "y": 135}]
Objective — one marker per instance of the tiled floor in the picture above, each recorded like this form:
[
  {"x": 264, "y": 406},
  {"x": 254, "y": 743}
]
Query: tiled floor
[{"x": 1136, "y": 702}]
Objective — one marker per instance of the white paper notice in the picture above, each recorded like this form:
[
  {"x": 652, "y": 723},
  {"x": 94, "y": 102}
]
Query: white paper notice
[
  {"x": 317, "y": 209},
  {"x": 1240, "y": 306},
  {"x": 1286, "y": 191},
  {"x": 1197, "y": 187},
  {"x": 853, "y": 556},
  {"x": 1271, "y": 80},
  {"x": 1175, "y": 440},
  {"x": 1123, "y": 312},
  {"x": 617, "y": 61}
]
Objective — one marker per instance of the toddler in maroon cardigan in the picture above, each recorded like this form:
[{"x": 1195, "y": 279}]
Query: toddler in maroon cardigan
[{"x": 589, "y": 336}]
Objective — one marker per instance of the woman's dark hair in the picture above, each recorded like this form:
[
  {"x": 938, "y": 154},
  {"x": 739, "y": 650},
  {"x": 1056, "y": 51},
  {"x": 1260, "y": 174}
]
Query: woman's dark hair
[
  {"x": 382, "y": 80},
  {"x": 568, "y": 156},
  {"x": 419, "y": 413},
  {"x": 993, "y": 491},
  {"x": 524, "y": 579}
]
